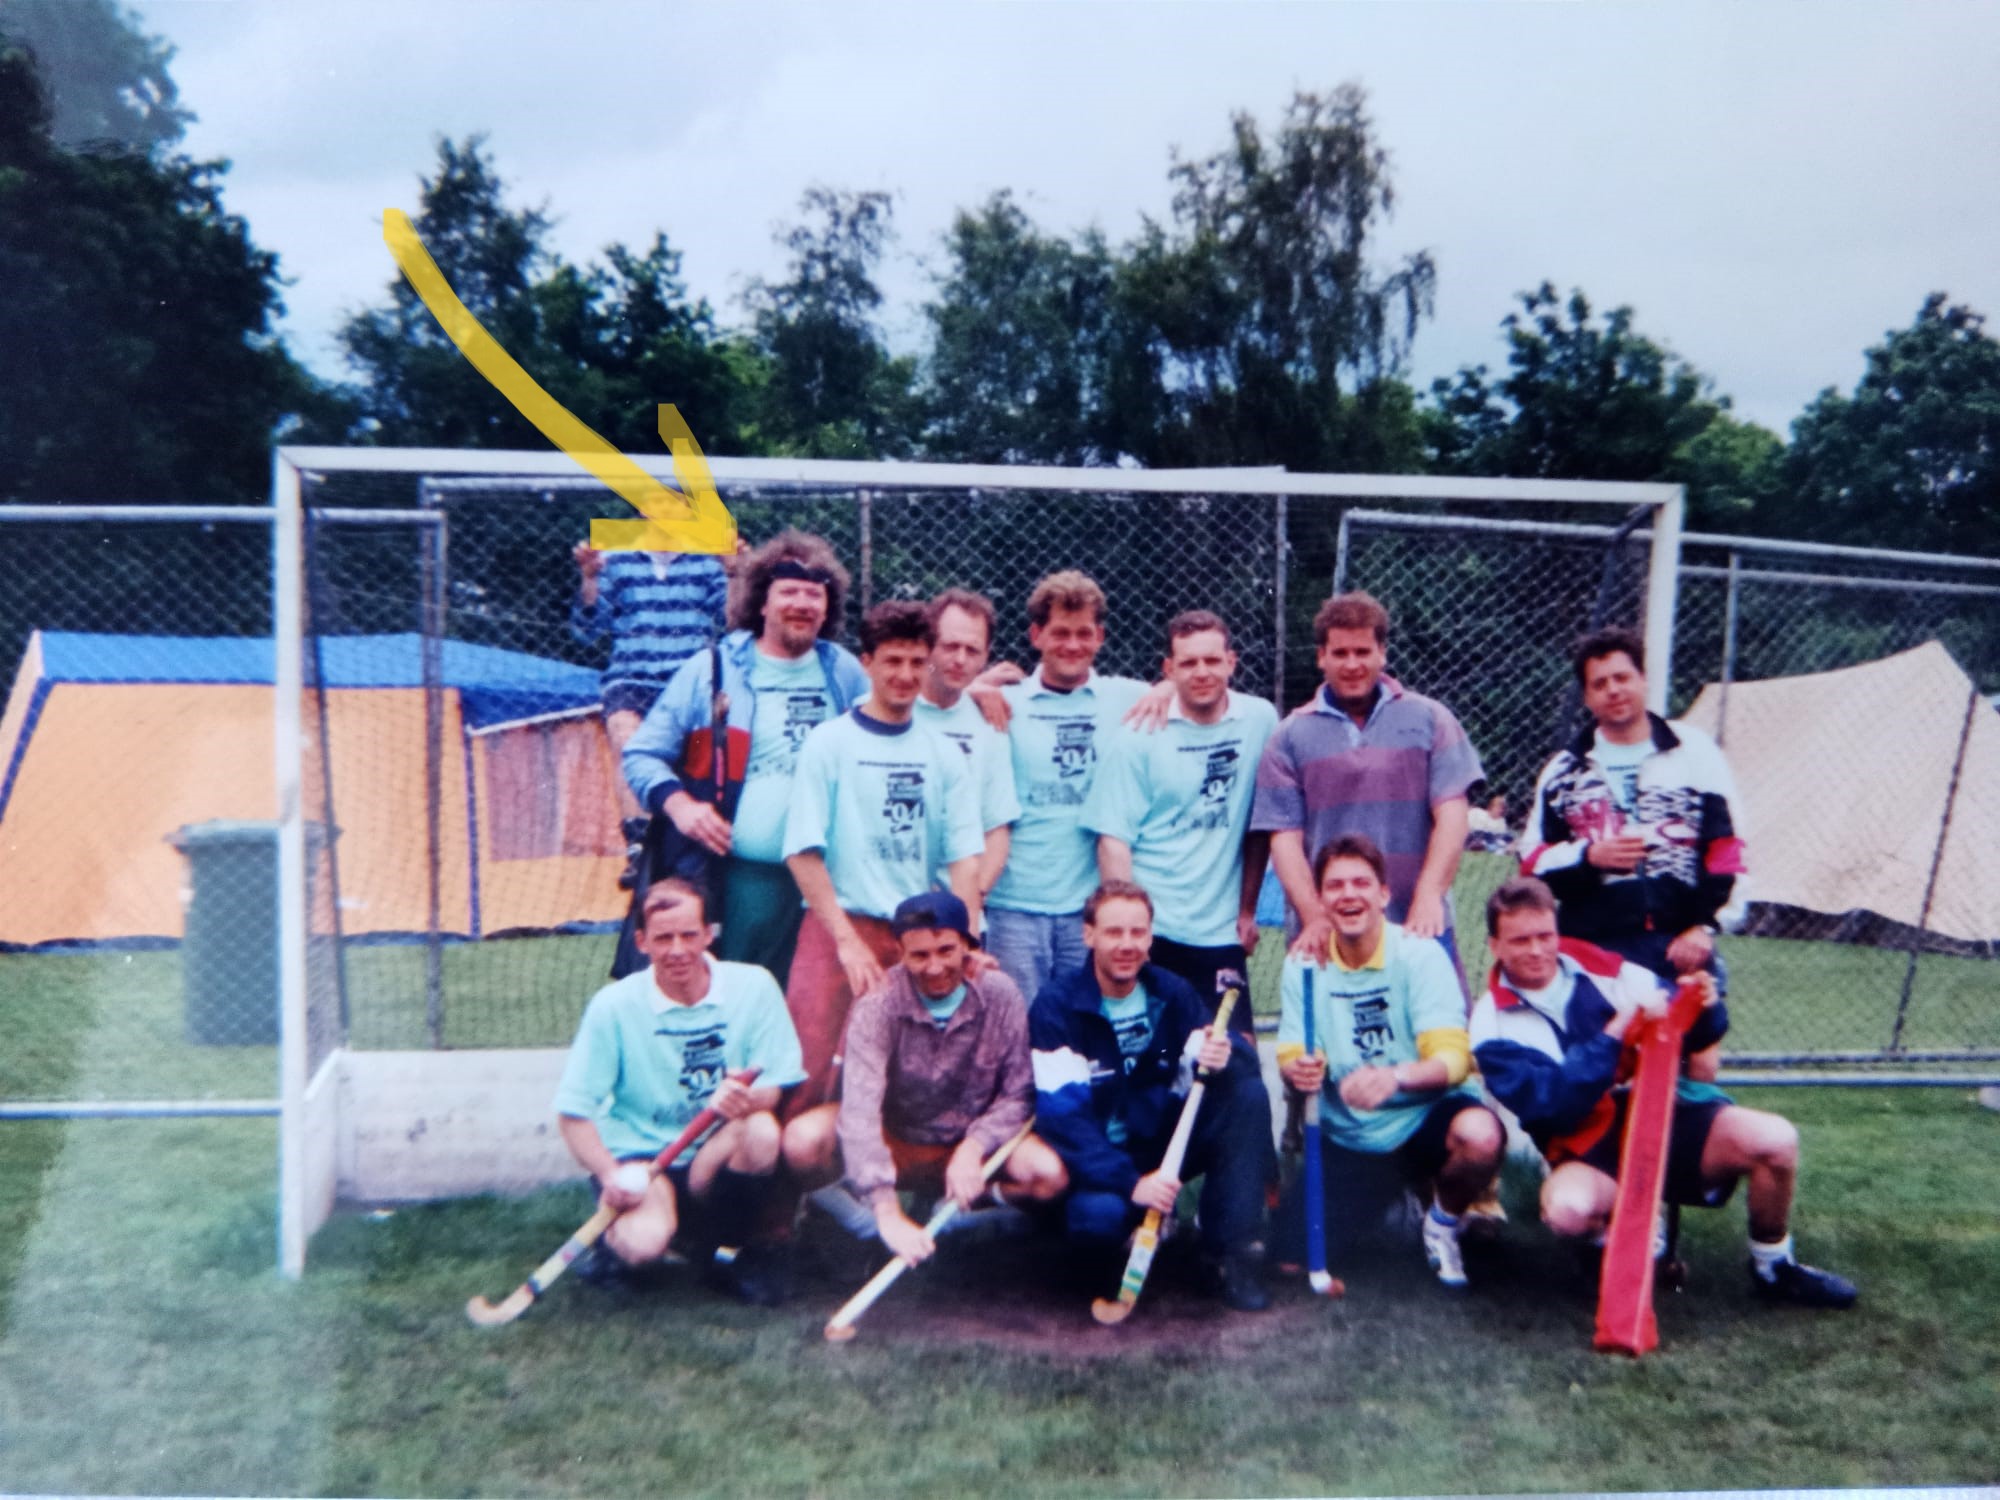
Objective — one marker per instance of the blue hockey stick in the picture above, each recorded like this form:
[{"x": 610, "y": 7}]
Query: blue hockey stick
[{"x": 1316, "y": 1273}]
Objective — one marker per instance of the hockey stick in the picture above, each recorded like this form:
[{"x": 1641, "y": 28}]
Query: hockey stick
[
  {"x": 840, "y": 1327},
  {"x": 1110, "y": 1310},
  {"x": 492, "y": 1315},
  {"x": 1625, "y": 1323},
  {"x": 1316, "y": 1274}
]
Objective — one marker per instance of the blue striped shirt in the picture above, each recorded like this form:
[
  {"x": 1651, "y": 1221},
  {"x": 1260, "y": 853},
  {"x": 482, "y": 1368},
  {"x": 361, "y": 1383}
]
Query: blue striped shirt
[{"x": 657, "y": 614}]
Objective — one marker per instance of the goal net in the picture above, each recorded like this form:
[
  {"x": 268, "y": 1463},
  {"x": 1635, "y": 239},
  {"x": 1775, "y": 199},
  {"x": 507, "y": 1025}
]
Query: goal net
[{"x": 452, "y": 838}]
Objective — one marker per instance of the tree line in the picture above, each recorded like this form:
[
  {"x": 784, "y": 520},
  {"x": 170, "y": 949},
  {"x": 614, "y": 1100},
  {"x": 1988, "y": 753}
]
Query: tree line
[{"x": 1256, "y": 323}]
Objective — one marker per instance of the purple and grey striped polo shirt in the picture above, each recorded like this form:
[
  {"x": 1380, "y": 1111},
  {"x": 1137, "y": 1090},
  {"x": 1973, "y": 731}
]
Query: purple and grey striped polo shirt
[{"x": 1324, "y": 775}]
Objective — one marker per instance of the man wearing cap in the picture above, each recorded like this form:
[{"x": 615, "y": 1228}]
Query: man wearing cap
[
  {"x": 937, "y": 1077},
  {"x": 782, "y": 675}
]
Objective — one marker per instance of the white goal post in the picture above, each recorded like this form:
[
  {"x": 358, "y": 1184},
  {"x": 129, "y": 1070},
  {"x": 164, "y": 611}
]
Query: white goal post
[{"x": 444, "y": 1119}]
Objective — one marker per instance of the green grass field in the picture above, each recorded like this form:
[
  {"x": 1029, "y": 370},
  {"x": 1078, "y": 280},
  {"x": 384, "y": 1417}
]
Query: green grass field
[{"x": 148, "y": 1346}]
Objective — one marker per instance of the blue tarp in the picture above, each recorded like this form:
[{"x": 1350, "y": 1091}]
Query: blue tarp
[{"x": 495, "y": 686}]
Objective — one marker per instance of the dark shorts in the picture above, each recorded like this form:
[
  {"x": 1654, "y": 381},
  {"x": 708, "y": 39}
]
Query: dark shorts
[
  {"x": 1211, "y": 971},
  {"x": 1687, "y": 1138},
  {"x": 631, "y": 697},
  {"x": 678, "y": 1176},
  {"x": 1422, "y": 1156}
]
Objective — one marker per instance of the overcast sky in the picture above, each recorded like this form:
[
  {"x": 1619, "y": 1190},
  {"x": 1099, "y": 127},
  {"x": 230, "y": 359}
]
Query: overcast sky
[{"x": 1770, "y": 186}]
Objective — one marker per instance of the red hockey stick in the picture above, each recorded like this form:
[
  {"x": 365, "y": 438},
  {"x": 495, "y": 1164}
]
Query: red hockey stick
[
  {"x": 493, "y": 1314},
  {"x": 1625, "y": 1323}
]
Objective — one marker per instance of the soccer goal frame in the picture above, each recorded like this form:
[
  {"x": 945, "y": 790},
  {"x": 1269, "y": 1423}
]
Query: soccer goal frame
[{"x": 462, "y": 1096}]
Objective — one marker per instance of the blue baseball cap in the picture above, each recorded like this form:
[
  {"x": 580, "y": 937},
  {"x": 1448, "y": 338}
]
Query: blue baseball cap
[{"x": 938, "y": 911}]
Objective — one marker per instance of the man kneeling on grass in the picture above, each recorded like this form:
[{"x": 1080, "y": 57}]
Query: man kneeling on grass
[
  {"x": 1390, "y": 1057},
  {"x": 656, "y": 1048},
  {"x": 1116, "y": 1043},
  {"x": 1549, "y": 1035},
  {"x": 936, "y": 1079}
]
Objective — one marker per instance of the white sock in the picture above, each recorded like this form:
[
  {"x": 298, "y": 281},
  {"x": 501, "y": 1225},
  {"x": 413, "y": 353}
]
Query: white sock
[{"x": 1765, "y": 1259}]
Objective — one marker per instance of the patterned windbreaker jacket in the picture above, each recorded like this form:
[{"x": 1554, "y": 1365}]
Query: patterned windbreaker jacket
[
  {"x": 1557, "y": 1072},
  {"x": 1684, "y": 803}
]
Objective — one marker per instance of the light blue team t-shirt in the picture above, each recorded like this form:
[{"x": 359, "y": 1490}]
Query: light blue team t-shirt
[
  {"x": 942, "y": 1010},
  {"x": 1132, "y": 1024},
  {"x": 1180, "y": 798},
  {"x": 866, "y": 794},
  {"x": 1372, "y": 1017},
  {"x": 792, "y": 699},
  {"x": 1052, "y": 863},
  {"x": 987, "y": 758},
  {"x": 643, "y": 1066}
]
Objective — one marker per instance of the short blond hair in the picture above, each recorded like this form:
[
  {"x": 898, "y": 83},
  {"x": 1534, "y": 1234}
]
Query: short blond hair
[{"x": 1068, "y": 589}]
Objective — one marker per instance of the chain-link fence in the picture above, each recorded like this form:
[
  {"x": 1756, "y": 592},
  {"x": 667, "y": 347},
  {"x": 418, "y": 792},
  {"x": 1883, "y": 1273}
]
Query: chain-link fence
[
  {"x": 507, "y": 820},
  {"x": 138, "y": 904},
  {"x": 1851, "y": 689}
]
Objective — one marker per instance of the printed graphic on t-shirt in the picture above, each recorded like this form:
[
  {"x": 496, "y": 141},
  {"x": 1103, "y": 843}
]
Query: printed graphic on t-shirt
[
  {"x": 903, "y": 803},
  {"x": 1218, "y": 781},
  {"x": 803, "y": 713},
  {"x": 1372, "y": 1033},
  {"x": 1075, "y": 752},
  {"x": 702, "y": 1060},
  {"x": 1135, "y": 1034},
  {"x": 960, "y": 738},
  {"x": 902, "y": 815}
]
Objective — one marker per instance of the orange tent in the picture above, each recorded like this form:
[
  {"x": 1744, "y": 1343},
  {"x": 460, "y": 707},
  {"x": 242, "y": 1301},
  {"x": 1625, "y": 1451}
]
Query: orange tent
[{"x": 110, "y": 743}]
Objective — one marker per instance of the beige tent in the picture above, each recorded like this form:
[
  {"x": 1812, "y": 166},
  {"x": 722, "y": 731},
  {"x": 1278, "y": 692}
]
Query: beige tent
[{"x": 1844, "y": 777}]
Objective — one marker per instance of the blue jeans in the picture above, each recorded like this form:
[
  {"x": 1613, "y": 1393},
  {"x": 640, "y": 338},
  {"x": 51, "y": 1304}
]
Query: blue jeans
[{"x": 1032, "y": 946}]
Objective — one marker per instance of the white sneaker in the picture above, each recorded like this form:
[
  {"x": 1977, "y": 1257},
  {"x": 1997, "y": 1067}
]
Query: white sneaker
[{"x": 1442, "y": 1251}]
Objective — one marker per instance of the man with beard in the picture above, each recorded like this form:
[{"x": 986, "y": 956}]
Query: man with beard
[{"x": 783, "y": 675}]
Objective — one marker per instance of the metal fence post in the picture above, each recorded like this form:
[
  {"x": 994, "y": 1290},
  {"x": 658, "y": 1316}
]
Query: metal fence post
[
  {"x": 865, "y": 518},
  {"x": 431, "y": 616},
  {"x": 1278, "y": 608},
  {"x": 1972, "y": 704},
  {"x": 1729, "y": 603}
]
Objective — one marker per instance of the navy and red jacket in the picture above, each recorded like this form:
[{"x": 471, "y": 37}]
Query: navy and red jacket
[
  {"x": 1558, "y": 1073},
  {"x": 1082, "y": 1081}
]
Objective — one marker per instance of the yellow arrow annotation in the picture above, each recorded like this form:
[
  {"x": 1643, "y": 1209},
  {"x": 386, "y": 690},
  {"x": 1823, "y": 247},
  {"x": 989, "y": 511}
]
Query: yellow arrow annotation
[{"x": 693, "y": 520}]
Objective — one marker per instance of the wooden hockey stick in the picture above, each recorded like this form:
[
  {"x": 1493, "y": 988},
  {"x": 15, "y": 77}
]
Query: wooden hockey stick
[
  {"x": 492, "y": 1314},
  {"x": 1113, "y": 1310},
  {"x": 1625, "y": 1322},
  {"x": 1316, "y": 1273},
  {"x": 840, "y": 1327}
]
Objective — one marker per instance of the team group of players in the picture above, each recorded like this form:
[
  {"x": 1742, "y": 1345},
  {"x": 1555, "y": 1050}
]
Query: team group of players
[{"x": 994, "y": 896}]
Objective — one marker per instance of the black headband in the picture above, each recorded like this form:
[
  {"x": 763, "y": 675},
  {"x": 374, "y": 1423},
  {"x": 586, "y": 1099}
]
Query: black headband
[{"x": 786, "y": 567}]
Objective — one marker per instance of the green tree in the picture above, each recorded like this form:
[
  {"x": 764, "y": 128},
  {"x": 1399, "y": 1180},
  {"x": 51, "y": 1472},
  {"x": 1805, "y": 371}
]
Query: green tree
[
  {"x": 105, "y": 81},
  {"x": 1914, "y": 452},
  {"x": 1590, "y": 397},
  {"x": 611, "y": 342},
  {"x": 136, "y": 354},
  {"x": 1020, "y": 336},
  {"x": 831, "y": 389},
  {"x": 1254, "y": 328}
]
